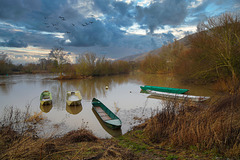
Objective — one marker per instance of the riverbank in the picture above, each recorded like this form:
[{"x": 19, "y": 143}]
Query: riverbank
[
  {"x": 179, "y": 131},
  {"x": 82, "y": 144}
]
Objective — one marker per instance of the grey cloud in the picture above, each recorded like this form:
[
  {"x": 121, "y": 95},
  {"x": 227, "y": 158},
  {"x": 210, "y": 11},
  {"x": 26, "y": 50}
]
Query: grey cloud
[
  {"x": 157, "y": 14},
  {"x": 14, "y": 43},
  {"x": 94, "y": 34}
]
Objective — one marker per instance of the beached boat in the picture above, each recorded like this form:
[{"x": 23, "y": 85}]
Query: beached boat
[
  {"x": 46, "y": 98},
  {"x": 112, "y": 132},
  {"x": 74, "y": 98},
  {"x": 178, "y": 96},
  {"x": 164, "y": 89},
  {"x": 106, "y": 115}
]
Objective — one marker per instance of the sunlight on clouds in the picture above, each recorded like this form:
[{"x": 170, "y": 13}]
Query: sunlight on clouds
[
  {"x": 25, "y": 55},
  {"x": 195, "y": 4},
  {"x": 134, "y": 29},
  {"x": 144, "y": 3},
  {"x": 179, "y": 32}
]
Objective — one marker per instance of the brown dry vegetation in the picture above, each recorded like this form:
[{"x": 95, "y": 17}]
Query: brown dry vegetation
[
  {"x": 214, "y": 127},
  {"x": 182, "y": 130}
]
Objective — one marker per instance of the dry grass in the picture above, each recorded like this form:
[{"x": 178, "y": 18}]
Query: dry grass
[
  {"x": 215, "y": 127},
  {"x": 80, "y": 135},
  {"x": 19, "y": 139}
]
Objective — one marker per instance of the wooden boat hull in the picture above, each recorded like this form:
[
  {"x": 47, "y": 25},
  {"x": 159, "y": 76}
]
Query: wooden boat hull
[
  {"x": 178, "y": 96},
  {"x": 106, "y": 115},
  {"x": 46, "y": 98},
  {"x": 164, "y": 89},
  {"x": 73, "y": 98}
]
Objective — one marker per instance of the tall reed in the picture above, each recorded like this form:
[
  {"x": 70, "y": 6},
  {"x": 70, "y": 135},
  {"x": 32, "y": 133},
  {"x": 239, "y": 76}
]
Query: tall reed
[{"x": 207, "y": 127}]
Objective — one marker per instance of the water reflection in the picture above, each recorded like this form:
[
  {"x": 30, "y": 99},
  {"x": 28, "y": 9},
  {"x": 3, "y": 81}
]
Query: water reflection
[
  {"x": 122, "y": 96},
  {"x": 112, "y": 132},
  {"x": 74, "y": 109},
  {"x": 45, "y": 108}
]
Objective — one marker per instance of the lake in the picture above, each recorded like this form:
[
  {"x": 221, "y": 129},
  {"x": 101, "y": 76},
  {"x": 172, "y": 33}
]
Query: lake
[{"x": 122, "y": 97}]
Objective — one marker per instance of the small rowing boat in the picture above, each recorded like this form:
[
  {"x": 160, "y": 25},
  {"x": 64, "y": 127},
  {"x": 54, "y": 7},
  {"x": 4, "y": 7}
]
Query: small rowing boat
[
  {"x": 178, "y": 96},
  {"x": 46, "y": 98},
  {"x": 164, "y": 89},
  {"x": 74, "y": 98},
  {"x": 106, "y": 115}
]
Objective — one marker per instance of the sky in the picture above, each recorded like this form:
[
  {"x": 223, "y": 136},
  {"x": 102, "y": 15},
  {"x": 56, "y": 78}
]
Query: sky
[{"x": 29, "y": 29}]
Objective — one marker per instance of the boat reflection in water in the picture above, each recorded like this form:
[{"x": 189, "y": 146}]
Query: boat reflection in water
[
  {"x": 112, "y": 132},
  {"x": 45, "y": 108},
  {"x": 74, "y": 109}
]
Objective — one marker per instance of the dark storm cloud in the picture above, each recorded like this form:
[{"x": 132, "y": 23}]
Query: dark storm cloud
[
  {"x": 14, "y": 43},
  {"x": 158, "y": 14},
  {"x": 103, "y": 35},
  {"x": 87, "y": 24},
  {"x": 43, "y": 15},
  {"x": 118, "y": 13}
]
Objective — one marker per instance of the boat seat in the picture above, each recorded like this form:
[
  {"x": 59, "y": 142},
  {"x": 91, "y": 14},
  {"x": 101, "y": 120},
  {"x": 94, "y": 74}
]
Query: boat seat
[
  {"x": 102, "y": 114},
  {"x": 46, "y": 97},
  {"x": 106, "y": 118},
  {"x": 99, "y": 110}
]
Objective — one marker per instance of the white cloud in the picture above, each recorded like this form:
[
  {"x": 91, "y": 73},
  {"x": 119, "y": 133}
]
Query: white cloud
[{"x": 195, "y": 4}]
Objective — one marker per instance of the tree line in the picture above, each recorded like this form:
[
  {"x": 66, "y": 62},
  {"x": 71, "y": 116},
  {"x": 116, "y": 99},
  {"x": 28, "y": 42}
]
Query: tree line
[
  {"x": 210, "y": 55},
  {"x": 88, "y": 64}
]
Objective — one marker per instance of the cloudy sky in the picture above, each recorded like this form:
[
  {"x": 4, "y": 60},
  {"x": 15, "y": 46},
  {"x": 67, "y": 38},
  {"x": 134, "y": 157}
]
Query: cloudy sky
[{"x": 29, "y": 29}]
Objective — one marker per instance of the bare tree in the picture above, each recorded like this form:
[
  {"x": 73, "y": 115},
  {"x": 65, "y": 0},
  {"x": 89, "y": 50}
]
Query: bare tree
[
  {"x": 217, "y": 43},
  {"x": 61, "y": 58}
]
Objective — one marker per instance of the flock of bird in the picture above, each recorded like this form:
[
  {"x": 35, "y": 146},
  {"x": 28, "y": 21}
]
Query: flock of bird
[{"x": 56, "y": 24}]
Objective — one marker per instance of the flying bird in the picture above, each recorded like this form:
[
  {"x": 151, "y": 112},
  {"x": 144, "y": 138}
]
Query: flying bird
[{"x": 62, "y": 18}]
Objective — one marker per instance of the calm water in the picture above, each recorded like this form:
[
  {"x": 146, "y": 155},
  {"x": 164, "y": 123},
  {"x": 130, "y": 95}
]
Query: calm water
[{"x": 123, "y": 97}]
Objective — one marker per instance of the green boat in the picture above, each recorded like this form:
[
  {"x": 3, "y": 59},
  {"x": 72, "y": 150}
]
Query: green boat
[
  {"x": 164, "y": 89},
  {"x": 46, "y": 98},
  {"x": 106, "y": 115}
]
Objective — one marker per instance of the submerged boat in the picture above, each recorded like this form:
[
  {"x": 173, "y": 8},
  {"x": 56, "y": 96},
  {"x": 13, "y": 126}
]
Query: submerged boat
[
  {"x": 106, "y": 115},
  {"x": 164, "y": 89},
  {"x": 178, "y": 96},
  {"x": 74, "y": 98},
  {"x": 46, "y": 98}
]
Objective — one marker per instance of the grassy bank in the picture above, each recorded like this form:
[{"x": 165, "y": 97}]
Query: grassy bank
[{"x": 182, "y": 130}]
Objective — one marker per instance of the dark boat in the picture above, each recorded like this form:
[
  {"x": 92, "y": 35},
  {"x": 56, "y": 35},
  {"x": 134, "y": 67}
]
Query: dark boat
[
  {"x": 107, "y": 116},
  {"x": 164, "y": 89},
  {"x": 112, "y": 132}
]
